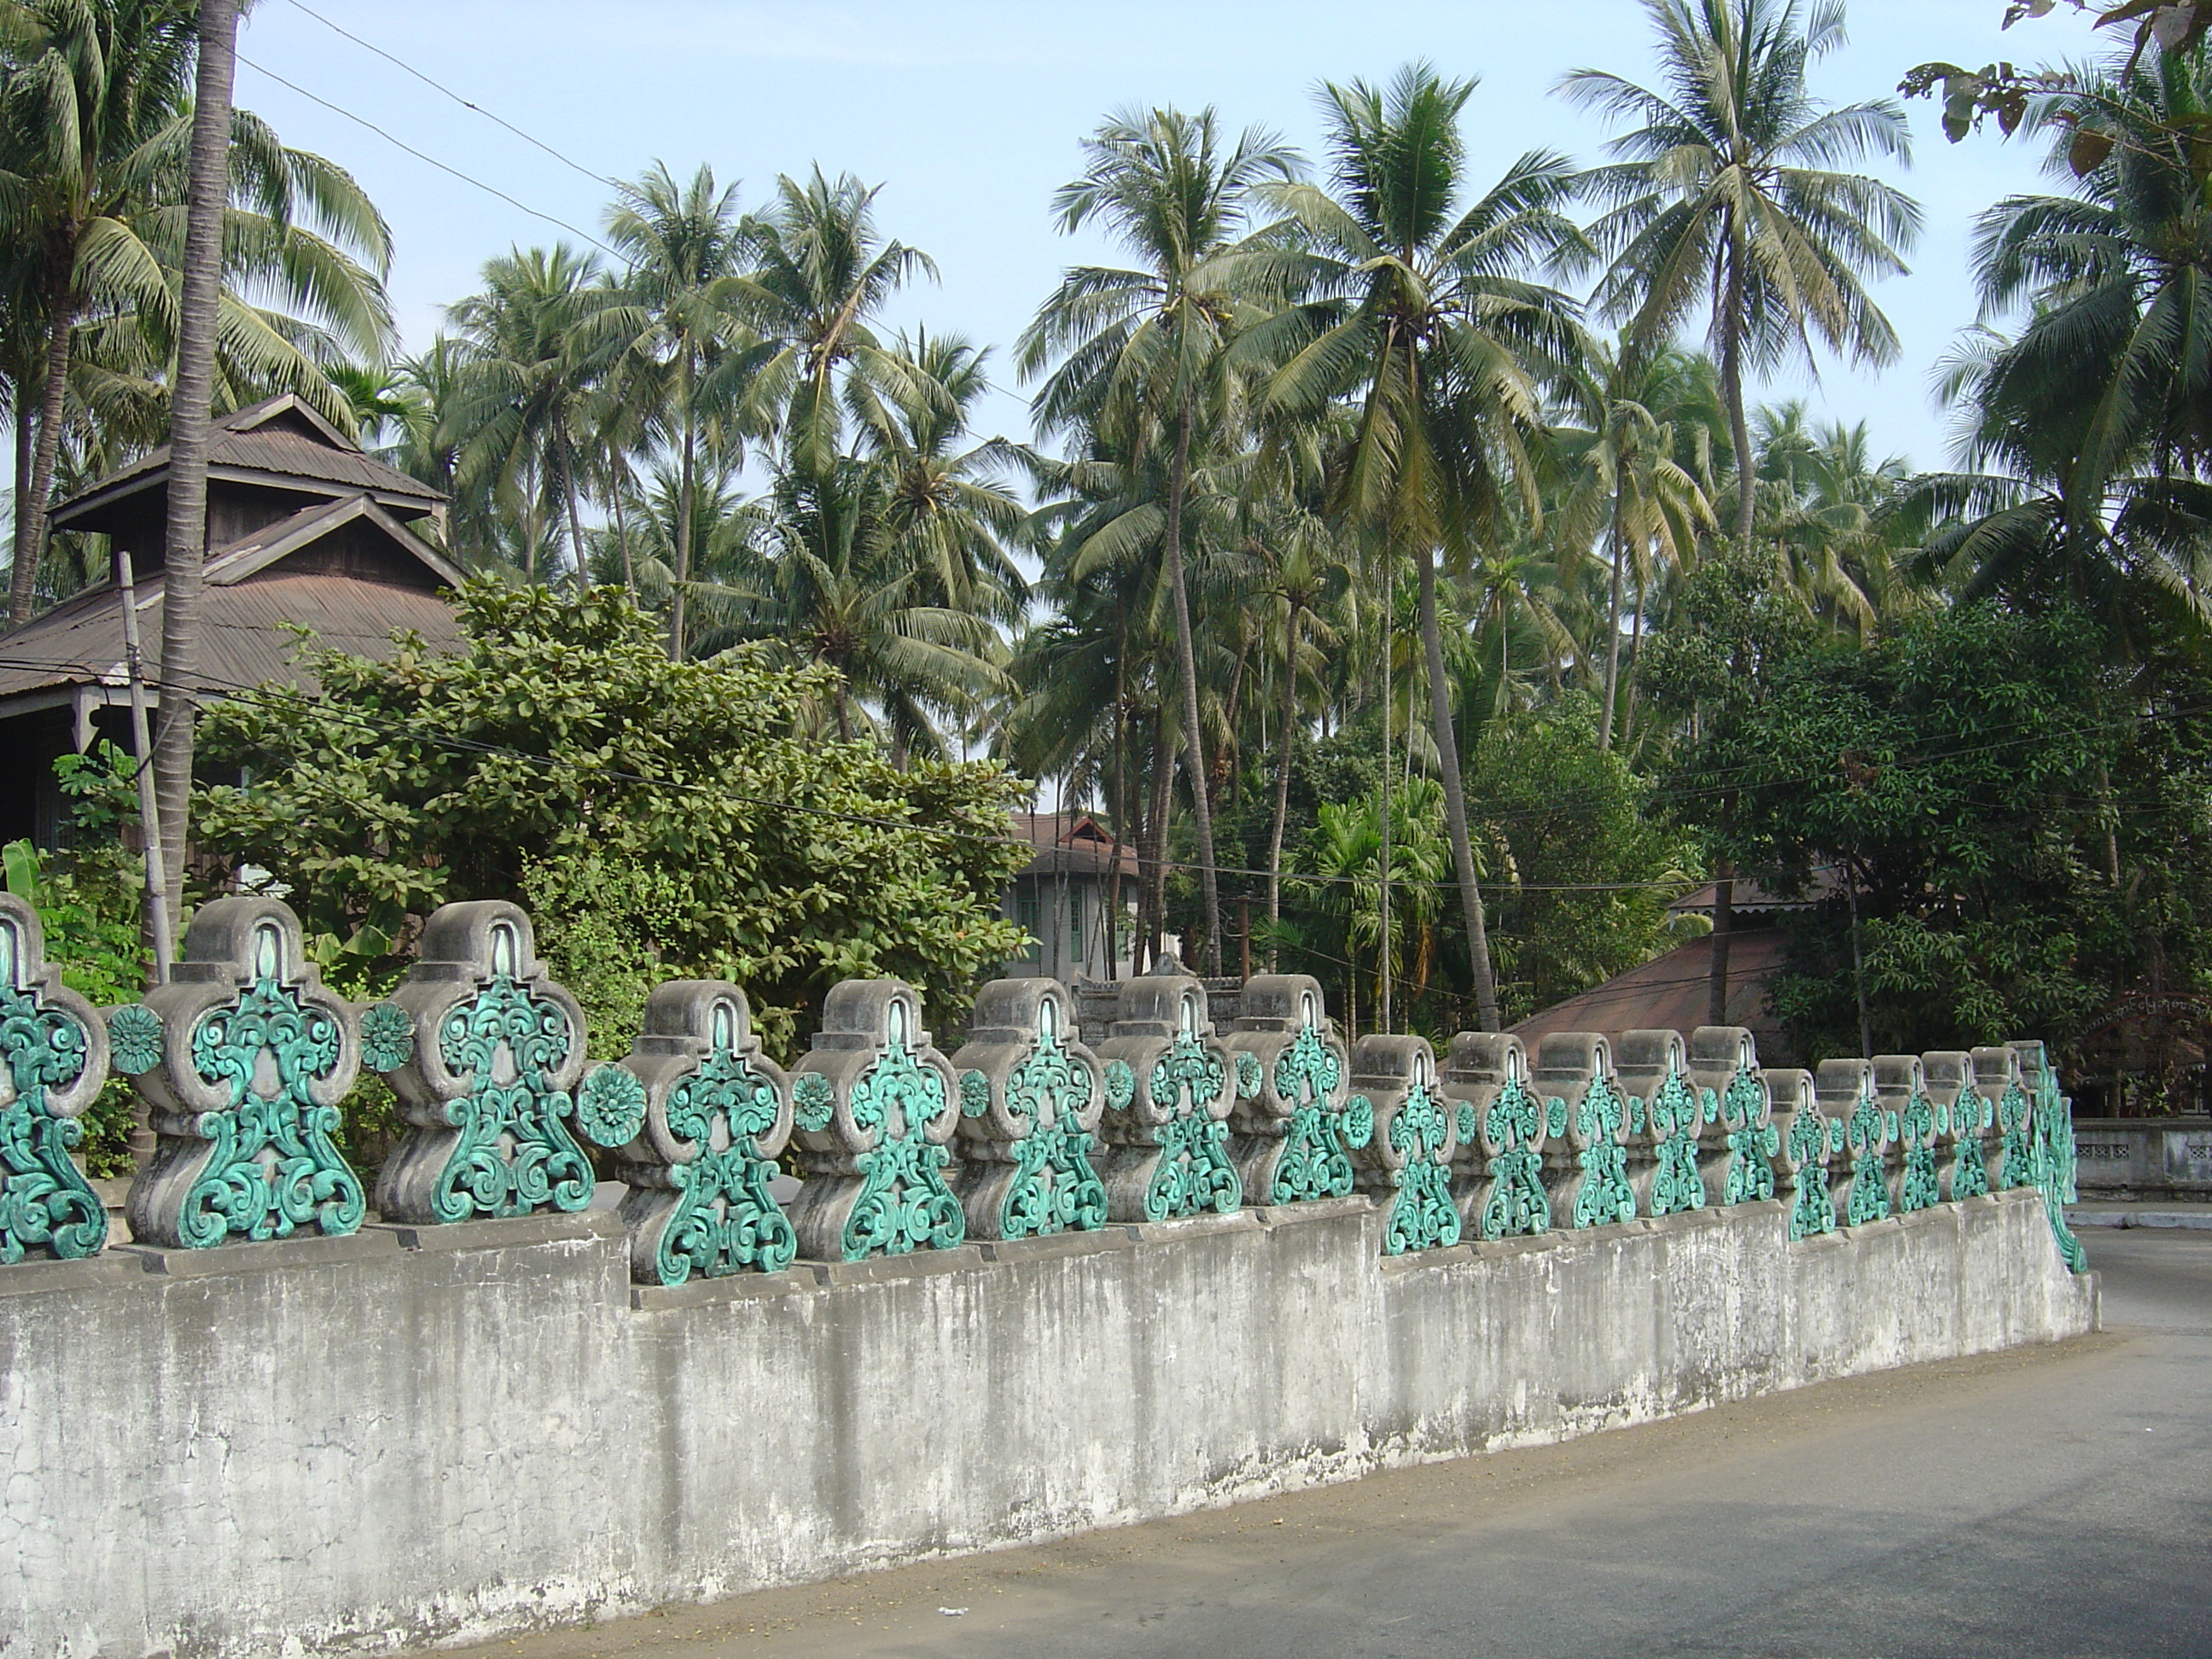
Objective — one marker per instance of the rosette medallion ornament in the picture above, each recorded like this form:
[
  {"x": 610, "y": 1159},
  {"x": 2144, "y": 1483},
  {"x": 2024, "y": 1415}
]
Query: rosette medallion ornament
[
  {"x": 1030, "y": 1099},
  {"x": 243, "y": 1057},
  {"x": 1409, "y": 1162},
  {"x": 1299, "y": 1123},
  {"x": 717, "y": 1113},
  {"x": 1170, "y": 1085},
  {"x": 53, "y": 1060},
  {"x": 876, "y": 1104},
  {"x": 486, "y": 1053},
  {"x": 1502, "y": 1129}
]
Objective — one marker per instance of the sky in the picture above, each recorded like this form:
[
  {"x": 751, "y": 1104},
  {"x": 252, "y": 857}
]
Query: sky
[{"x": 968, "y": 113}]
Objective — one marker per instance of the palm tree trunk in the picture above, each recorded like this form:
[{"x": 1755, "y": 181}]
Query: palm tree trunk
[
  {"x": 1121, "y": 799},
  {"x": 1613, "y": 634},
  {"x": 1186, "y": 651},
  {"x": 27, "y": 438},
  {"x": 683, "y": 523},
  {"x": 1290, "y": 714},
  {"x": 1635, "y": 645},
  {"x": 1156, "y": 825},
  {"x": 1732, "y": 389},
  {"x": 622, "y": 539},
  {"x": 1440, "y": 714},
  {"x": 199, "y": 307},
  {"x": 31, "y": 495},
  {"x": 575, "y": 527}
]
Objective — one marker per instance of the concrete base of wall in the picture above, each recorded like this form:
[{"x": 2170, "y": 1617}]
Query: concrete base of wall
[{"x": 440, "y": 1434}]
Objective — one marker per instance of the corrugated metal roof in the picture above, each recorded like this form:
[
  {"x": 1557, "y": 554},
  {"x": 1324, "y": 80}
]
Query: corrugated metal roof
[
  {"x": 1670, "y": 993},
  {"x": 245, "y": 641}
]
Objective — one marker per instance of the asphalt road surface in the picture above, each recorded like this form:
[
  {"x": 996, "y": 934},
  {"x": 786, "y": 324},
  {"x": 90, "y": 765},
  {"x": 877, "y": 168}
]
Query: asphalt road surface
[{"x": 2053, "y": 1501}]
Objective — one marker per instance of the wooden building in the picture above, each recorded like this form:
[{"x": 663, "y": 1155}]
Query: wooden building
[{"x": 303, "y": 529}]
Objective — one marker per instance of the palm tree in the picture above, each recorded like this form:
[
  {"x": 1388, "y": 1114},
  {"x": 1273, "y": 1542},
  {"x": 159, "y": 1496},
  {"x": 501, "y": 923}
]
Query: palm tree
[
  {"x": 1727, "y": 197},
  {"x": 517, "y": 418},
  {"x": 676, "y": 323},
  {"x": 1426, "y": 315},
  {"x": 96, "y": 128},
  {"x": 1142, "y": 355}
]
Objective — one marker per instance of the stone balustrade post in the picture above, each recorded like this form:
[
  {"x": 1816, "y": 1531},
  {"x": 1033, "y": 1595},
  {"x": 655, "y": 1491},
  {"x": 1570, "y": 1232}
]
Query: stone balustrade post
[
  {"x": 1913, "y": 1173},
  {"x": 486, "y": 1053},
  {"x": 53, "y": 1060},
  {"x": 1171, "y": 1085},
  {"x": 242, "y": 1059},
  {"x": 1031, "y": 1098},
  {"x": 1962, "y": 1114},
  {"x": 1806, "y": 1141},
  {"x": 1502, "y": 1133},
  {"x": 1587, "y": 1119},
  {"x": 1845, "y": 1090},
  {"x": 717, "y": 1115},
  {"x": 1738, "y": 1137},
  {"x": 2011, "y": 1147},
  {"x": 1666, "y": 1117},
  {"x": 1407, "y": 1162},
  {"x": 876, "y": 1106},
  {"x": 1296, "y": 1128}
]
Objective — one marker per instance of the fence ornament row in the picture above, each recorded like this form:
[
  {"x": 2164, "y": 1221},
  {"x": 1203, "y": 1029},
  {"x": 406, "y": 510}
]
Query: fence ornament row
[{"x": 1064, "y": 1110}]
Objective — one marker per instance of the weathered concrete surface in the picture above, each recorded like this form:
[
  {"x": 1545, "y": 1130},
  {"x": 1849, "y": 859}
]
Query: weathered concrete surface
[
  {"x": 443, "y": 1433},
  {"x": 2138, "y": 1157}
]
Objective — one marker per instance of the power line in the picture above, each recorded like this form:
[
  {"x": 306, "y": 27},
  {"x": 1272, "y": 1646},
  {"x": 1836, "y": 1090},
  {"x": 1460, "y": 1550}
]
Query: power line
[
  {"x": 436, "y": 86},
  {"x": 420, "y": 155}
]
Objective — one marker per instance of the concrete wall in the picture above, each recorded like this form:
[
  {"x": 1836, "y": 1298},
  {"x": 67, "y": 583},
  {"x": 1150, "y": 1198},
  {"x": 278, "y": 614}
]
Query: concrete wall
[
  {"x": 444, "y": 1433},
  {"x": 2163, "y": 1158}
]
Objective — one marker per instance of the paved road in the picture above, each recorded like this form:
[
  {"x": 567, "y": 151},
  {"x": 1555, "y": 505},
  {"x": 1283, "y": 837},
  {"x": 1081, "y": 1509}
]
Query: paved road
[{"x": 2051, "y": 1502}]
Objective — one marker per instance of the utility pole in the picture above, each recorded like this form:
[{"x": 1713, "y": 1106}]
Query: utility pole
[
  {"x": 184, "y": 550},
  {"x": 159, "y": 934}
]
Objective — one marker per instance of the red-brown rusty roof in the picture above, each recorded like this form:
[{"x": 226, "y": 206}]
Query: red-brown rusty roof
[{"x": 1672, "y": 993}]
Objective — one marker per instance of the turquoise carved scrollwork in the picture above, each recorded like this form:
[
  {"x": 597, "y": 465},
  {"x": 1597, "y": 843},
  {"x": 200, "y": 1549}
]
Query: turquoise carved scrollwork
[
  {"x": 1605, "y": 1195},
  {"x": 1970, "y": 1164},
  {"x": 1423, "y": 1216},
  {"x": 1316, "y": 1157},
  {"x": 50, "y": 1046},
  {"x": 252, "y": 1061},
  {"x": 1921, "y": 1186},
  {"x": 1517, "y": 1205},
  {"x": 1193, "y": 1173},
  {"x": 725, "y": 1218},
  {"x": 2051, "y": 1148},
  {"x": 1752, "y": 1141},
  {"x": 904, "y": 1204},
  {"x": 1866, "y": 1132},
  {"x": 1813, "y": 1207},
  {"x": 1676, "y": 1112},
  {"x": 2017, "y": 1167},
  {"x": 1050, "y": 1186},
  {"x": 515, "y": 1154}
]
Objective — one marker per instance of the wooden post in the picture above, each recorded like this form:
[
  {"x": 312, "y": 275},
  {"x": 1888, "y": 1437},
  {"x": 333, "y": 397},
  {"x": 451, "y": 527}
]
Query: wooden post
[{"x": 158, "y": 935}]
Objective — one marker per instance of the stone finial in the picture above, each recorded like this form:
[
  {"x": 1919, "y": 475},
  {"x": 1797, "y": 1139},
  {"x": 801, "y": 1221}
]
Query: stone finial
[
  {"x": 1501, "y": 1126},
  {"x": 717, "y": 1113},
  {"x": 244, "y": 1078},
  {"x": 1030, "y": 1099},
  {"x": 1586, "y": 1113},
  {"x": 1409, "y": 1160},
  {"x": 1845, "y": 1091},
  {"x": 1807, "y": 1142},
  {"x": 1901, "y": 1083},
  {"x": 486, "y": 1053},
  {"x": 53, "y": 1060},
  {"x": 1740, "y": 1113},
  {"x": 1666, "y": 1115},
  {"x": 1297, "y": 1130},
  {"x": 1170, "y": 1087},
  {"x": 875, "y": 1104}
]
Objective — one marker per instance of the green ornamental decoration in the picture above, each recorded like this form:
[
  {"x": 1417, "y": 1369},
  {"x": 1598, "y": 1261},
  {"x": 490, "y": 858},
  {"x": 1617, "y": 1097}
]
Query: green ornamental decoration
[
  {"x": 1970, "y": 1158},
  {"x": 2053, "y": 1151},
  {"x": 489, "y": 1083},
  {"x": 1167, "y": 1134},
  {"x": 53, "y": 1060},
  {"x": 875, "y": 1171},
  {"x": 2014, "y": 1112},
  {"x": 1867, "y": 1133},
  {"x": 1921, "y": 1186},
  {"x": 254, "y": 1057},
  {"x": 1516, "y": 1205},
  {"x": 133, "y": 1036},
  {"x": 1676, "y": 1113},
  {"x": 1605, "y": 1195},
  {"x": 714, "y": 1113},
  {"x": 388, "y": 1037},
  {"x": 1746, "y": 1113},
  {"x": 1297, "y": 1125},
  {"x": 1809, "y": 1146},
  {"x": 1026, "y": 1143},
  {"x": 1409, "y": 1160}
]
